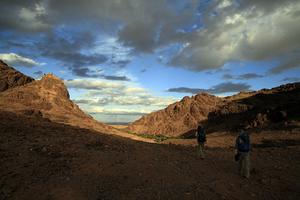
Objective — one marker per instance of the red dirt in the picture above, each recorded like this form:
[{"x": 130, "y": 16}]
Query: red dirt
[{"x": 40, "y": 159}]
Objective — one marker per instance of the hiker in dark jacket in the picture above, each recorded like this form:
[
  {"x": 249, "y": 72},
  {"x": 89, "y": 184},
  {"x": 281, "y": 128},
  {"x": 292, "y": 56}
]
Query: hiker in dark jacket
[
  {"x": 201, "y": 139},
  {"x": 243, "y": 147}
]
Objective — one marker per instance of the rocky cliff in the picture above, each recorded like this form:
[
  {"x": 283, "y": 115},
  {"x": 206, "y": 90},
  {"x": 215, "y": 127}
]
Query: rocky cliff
[
  {"x": 48, "y": 98},
  {"x": 265, "y": 108},
  {"x": 178, "y": 118},
  {"x": 257, "y": 109},
  {"x": 10, "y": 78}
]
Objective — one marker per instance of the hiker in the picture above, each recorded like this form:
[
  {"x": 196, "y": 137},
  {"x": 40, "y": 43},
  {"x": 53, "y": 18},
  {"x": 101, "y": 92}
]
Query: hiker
[
  {"x": 201, "y": 139},
  {"x": 243, "y": 147}
]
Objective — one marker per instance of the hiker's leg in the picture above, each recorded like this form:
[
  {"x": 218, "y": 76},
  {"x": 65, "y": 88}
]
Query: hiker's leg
[
  {"x": 247, "y": 165},
  {"x": 242, "y": 163},
  {"x": 198, "y": 149},
  {"x": 245, "y": 172},
  {"x": 202, "y": 150}
]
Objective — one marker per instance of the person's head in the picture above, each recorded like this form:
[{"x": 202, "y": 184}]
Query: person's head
[
  {"x": 199, "y": 127},
  {"x": 242, "y": 132}
]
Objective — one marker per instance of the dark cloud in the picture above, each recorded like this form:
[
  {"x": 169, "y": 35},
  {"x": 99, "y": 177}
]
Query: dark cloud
[
  {"x": 121, "y": 63},
  {"x": 217, "y": 89},
  {"x": 68, "y": 50},
  {"x": 185, "y": 90},
  {"x": 290, "y": 61},
  {"x": 249, "y": 76},
  {"x": 228, "y": 76},
  {"x": 116, "y": 78},
  {"x": 246, "y": 76},
  {"x": 139, "y": 35},
  {"x": 238, "y": 31},
  {"x": 23, "y": 16},
  {"x": 85, "y": 72},
  {"x": 291, "y": 79}
]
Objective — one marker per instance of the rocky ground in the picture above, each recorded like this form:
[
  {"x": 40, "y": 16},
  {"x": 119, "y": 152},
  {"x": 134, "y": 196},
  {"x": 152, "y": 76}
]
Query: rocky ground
[{"x": 40, "y": 159}]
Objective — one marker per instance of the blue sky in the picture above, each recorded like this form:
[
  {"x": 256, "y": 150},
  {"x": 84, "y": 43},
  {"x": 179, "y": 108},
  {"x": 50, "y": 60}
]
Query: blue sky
[{"x": 123, "y": 59}]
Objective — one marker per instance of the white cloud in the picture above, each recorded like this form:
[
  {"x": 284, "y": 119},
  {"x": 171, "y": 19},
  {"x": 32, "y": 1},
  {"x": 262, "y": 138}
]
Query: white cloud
[
  {"x": 124, "y": 98},
  {"x": 134, "y": 90},
  {"x": 118, "y": 111},
  {"x": 15, "y": 59},
  {"x": 250, "y": 33},
  {"x": 224, "y": 4},
  {"x": 92, "y": 84},
  {"x": 112, "y": 48},
  {"x": 234, "y": 19}
]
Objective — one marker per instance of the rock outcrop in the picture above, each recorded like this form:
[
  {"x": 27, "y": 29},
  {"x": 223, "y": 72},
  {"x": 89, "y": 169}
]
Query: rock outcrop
[
  {"x": 10, "y": 78},
  {"x": 262, "y": 108},
  {"x": 178, "y": 118},
  {"x": 49, "y": 98}
]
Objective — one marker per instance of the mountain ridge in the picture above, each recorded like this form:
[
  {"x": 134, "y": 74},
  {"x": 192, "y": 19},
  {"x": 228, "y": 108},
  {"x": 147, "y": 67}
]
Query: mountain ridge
[
  {"x": 47, "y": 98},
  {"x": 10, "y": 78},
  {"x": 177, "y": 118},
  {"x": 222, "y": 113}
]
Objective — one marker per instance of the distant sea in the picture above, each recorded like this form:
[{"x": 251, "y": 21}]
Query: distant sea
[{"x": 118, "y": 123}]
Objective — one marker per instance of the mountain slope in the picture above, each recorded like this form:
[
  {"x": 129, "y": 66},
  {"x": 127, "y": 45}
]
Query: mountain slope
[
  {"x": 49, "y": 98},
  {"x": 265, "y": 108},
  {"x": 261, "y": 108},
  {"x": 10, "y": 78},
  {"x": 178, "y": 118},
  {"x": 44, "y": 160}
]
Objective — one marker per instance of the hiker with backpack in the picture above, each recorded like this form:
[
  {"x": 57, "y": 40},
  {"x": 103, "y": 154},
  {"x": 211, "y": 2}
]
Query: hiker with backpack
[
  {"x": 201, "y": 139},
  {"x": 243, "y": 148}
]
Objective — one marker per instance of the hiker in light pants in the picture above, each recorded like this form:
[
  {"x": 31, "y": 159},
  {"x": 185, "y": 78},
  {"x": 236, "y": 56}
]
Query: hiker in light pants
[
  {"x": 243, "y": 147},
  {"x": 201, "y": 139}
]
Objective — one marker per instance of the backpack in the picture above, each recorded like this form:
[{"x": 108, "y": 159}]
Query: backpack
[
  {"x": 201, "y": 137},
  {"x": 243, "y": 143}
]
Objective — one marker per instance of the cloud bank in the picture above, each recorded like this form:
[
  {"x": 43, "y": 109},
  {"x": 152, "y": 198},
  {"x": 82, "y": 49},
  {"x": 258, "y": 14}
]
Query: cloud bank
[
  {"x": 17, "y": 60},
  {"x": 217, "y": 89}
]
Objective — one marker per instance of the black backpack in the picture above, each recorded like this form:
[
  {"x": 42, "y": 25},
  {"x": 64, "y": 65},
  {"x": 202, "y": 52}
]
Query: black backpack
[
  {"x": 244, "y": 143},
  {"x": 201, "y": 137}
]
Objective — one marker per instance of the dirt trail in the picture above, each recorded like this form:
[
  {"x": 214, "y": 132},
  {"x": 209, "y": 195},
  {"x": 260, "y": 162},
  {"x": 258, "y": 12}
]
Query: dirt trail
[{"x": 45, "y": 160}]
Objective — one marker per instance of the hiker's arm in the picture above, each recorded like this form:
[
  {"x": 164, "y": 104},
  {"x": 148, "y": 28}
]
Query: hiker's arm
[{"x": 236, "y": 143}]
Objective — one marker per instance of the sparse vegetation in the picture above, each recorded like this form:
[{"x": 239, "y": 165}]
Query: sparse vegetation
[{"x": 156, "y": 138}]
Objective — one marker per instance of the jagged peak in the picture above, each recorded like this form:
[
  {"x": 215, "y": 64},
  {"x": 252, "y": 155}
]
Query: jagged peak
[
  {"x": 53, "y": 83},
  {"x": 51, "y": 79},
  {"x": 50, "y": 76}
]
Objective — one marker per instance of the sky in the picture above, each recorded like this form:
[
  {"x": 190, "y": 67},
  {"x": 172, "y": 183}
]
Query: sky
[{"x": 121, "y": 59}]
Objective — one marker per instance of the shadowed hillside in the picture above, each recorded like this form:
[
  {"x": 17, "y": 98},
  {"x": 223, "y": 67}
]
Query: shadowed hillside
[
  {"x": 275, "y": 108},
  {"x": 44, "y": 160},
  {"x": 177, "y": 118},
  {"x": 267, "y": 108},
  {"x": 9, "y": 77}
]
